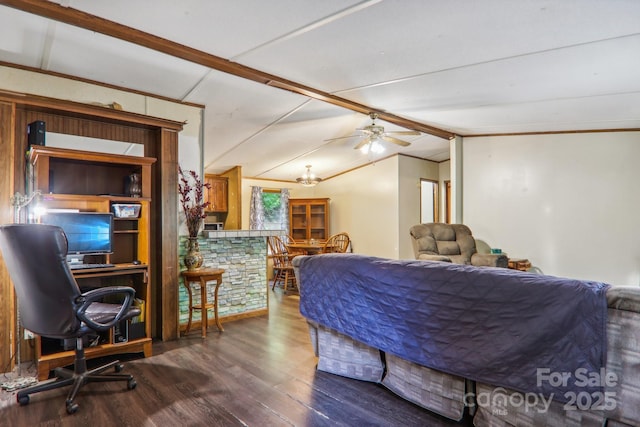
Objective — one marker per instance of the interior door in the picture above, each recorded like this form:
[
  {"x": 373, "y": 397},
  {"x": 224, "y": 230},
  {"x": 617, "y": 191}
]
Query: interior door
[{"x": 428, "y": 201}]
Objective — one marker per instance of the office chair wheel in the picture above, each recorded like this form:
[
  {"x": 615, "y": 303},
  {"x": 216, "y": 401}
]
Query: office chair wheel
[
  {"x": 131, "y": 384},
  {"x": 119, "y": 367},
  {"x": 24, "y": 400},
  {"x": 72, "y": 408}
]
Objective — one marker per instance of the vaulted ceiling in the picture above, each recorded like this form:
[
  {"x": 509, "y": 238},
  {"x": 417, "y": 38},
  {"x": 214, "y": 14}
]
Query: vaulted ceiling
[{"x": 281, "y": 79}]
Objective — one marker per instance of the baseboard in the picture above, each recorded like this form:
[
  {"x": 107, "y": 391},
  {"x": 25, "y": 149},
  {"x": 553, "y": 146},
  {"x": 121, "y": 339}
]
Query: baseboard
[{"x": 195, "y": 325}]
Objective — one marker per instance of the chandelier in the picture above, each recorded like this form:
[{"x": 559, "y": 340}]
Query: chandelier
[{"x": 308, "y": 179}]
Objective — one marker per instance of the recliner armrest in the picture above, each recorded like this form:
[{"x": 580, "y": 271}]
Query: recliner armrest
[
  {"x": 430, "y": 257},
  {"x": 489, "y": 260}
]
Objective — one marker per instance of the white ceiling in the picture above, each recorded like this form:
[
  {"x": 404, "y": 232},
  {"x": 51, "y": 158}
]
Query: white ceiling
[{"x": 466, "y": 66}]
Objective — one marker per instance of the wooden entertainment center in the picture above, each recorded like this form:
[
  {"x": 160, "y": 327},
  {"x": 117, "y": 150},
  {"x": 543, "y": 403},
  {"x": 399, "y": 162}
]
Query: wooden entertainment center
[
  {"x": 145, "y": 254},
  {"x": 93, "y": 182}
]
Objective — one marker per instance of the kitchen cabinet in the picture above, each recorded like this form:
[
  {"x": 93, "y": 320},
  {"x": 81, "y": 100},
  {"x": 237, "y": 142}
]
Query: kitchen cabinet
[{"x": 217, "y": 194}]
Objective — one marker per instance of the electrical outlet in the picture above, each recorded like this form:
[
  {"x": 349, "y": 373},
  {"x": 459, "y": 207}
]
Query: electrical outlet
[{"x": 28, "y": 335}]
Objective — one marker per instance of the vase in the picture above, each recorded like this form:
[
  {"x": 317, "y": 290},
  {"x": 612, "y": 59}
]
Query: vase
[
  {"x": 134, "y": 185},
  {"x": 193, "y": 258}
]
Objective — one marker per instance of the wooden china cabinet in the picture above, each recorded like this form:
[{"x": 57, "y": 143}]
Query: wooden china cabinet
[{"x": 309, "y": 219}]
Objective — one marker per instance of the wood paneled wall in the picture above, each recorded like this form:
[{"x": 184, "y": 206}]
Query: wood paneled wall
[
  {"x": 160, "y": 139},
  {"x": 234, "y": 194},
  {"x": 164, "y": 239},
  {"x": 93, "y": 128},
  {"x": 7, "y": 299}
]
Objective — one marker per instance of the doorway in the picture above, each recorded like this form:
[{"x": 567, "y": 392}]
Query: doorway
[{"x": 428, "y": 201}]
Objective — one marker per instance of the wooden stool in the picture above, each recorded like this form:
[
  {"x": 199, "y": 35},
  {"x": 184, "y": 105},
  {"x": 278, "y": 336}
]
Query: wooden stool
[
  {"x": 519, "y": 264},
  {"x": 202, "y": 276}
]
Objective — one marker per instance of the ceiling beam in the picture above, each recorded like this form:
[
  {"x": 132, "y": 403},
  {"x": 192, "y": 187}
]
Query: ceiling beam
[{"x": 90, "y": 22}]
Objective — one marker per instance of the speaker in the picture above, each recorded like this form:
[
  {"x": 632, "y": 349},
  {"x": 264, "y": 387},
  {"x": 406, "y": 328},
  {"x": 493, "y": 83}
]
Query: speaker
[{"x": 36, "y": 132}]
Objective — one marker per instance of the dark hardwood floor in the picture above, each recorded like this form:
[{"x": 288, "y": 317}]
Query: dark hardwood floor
[{"x": 259, "y": 372}]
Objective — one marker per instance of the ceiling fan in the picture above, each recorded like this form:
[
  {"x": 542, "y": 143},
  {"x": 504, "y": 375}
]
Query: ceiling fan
[{"x": 374, "y": 133}]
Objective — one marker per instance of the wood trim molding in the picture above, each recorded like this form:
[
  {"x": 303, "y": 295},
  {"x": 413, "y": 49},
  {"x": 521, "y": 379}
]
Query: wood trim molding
[
  {"x": 90, "y": 22},
  {"x": 550, "y": 132},
  {"x": 88, "y": 110}
]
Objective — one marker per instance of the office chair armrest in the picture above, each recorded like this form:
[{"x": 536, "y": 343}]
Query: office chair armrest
[{"x": 96, "y": 295}]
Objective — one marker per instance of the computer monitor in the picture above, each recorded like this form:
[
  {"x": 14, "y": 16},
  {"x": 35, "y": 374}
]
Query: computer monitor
[{"x": 88, "y": 233}]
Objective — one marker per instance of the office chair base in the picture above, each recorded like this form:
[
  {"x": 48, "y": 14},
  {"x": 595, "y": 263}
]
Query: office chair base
[{"x": 65, "y": 377}]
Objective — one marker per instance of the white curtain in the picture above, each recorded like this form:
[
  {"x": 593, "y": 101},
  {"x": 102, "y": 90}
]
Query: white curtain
[{"x": 256, "y": 209}]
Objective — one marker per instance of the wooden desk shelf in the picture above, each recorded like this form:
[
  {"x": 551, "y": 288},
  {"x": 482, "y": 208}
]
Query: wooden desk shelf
[{"x": 93, "y": 182}]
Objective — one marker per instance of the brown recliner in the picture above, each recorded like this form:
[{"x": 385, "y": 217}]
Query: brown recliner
[{"x": 451, "y": 243}]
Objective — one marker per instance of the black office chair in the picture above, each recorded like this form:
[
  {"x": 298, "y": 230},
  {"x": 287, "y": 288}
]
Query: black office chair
[{"x": 51, "y": 304}]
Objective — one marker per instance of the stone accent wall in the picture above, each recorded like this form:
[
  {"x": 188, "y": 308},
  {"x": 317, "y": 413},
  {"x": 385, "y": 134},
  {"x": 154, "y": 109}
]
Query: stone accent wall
[{"x": 243, "y": 256}]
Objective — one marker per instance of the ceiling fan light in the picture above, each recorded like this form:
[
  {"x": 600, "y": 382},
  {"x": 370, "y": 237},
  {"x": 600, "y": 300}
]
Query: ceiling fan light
[
  {"x": 373, "y": 147},
  {"x": 376, "y": 147}
]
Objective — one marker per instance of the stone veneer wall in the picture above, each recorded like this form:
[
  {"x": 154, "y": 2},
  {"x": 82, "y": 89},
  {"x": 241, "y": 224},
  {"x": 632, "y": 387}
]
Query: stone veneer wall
[{"x": 243, "y": 256}]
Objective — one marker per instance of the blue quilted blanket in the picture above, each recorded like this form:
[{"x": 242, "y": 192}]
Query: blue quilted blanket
[{"x": 499, "y": 326}]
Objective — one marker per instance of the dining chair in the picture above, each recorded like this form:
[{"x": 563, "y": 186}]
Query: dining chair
[
  {"x": 338, "y": 243},
  {"x": 282, "y": 267},
  {"x": 287, "y": 239}
]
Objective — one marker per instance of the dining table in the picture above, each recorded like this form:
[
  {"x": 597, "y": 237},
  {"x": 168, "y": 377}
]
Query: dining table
[{"x": 308, "y": 247}]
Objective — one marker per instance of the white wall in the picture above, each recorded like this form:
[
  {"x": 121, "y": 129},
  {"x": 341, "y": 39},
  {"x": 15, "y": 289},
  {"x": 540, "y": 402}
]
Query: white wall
[
  {"x": 375, "y": 204},
  {"x": 569, "y": 203},
  {"x": 410, "y": 170},
  {"x": 364, "y": 204}
]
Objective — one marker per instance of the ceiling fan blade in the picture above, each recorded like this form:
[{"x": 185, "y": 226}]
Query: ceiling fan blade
[
  {"x": 365, "y": 130},
  {"x": 362, "y": 143},
  {"x": 404, "y": 132},
  {"x": 342, "y": 137},
  {"x": 396, "y": 141}
]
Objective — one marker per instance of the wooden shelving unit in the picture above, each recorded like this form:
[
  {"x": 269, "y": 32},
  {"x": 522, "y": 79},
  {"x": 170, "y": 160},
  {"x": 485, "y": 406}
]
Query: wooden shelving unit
[{"x": 93, "y": 182}]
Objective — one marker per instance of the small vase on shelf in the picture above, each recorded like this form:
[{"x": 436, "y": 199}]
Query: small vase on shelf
[
  {"x": 193, "y": 258},
  {"x": 134, "y": 185}
]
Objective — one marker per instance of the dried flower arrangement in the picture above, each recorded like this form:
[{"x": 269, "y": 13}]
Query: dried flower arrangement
[{"x": 193, "y": 205}]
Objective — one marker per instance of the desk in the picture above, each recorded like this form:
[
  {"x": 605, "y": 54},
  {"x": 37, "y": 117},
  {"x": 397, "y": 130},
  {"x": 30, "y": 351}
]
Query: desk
[{"x": 202, "y": 276}]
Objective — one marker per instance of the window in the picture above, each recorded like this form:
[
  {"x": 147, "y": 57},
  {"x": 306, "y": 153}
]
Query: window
[
  {"x": 269, "y": 209},
  {"x": 273, "y": 210}
]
